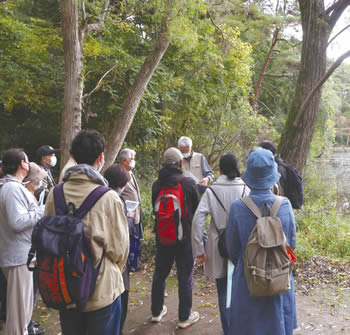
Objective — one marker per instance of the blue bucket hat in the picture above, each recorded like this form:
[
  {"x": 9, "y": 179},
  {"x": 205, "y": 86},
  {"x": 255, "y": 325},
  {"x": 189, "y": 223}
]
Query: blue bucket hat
[{"x": 261, "y": 172}]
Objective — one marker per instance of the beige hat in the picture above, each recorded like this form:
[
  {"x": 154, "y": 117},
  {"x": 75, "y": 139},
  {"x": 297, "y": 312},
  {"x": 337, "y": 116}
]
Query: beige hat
[
  {"x": 171, "y": 156},
  {"x": 36, "y": 173}
]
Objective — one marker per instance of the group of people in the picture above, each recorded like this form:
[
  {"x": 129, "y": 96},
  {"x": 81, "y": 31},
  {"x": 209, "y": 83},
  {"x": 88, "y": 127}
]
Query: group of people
[{"x": 26, "y": 196}]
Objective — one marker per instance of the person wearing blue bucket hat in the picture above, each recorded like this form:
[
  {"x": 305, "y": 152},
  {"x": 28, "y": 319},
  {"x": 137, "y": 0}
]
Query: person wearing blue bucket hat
[
  {"x": 262, "y": 172},
  {"x": 258, "y": 315}
]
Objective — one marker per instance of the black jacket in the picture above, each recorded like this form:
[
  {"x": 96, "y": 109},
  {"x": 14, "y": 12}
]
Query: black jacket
[{"x": 169, "y": 177}]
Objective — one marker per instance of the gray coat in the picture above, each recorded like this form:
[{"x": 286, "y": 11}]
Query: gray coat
[
  {"x": 227, "y": 191},
  {"x": 19, "y": 213}
]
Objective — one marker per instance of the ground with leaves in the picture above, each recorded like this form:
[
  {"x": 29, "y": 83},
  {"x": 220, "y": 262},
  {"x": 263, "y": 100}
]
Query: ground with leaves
[{"x": 323, "y": 300}]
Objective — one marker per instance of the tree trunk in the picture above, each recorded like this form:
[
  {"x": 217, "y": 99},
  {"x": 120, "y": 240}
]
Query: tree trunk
[
  {"x": 122, "y": 124},
  {"x": 73, "y": 79},
  {"x": 297, "y": 136}
]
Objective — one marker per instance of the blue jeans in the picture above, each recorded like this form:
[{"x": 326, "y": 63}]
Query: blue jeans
[
  {"x": 104, "y": 321},
  {"x": 221, "y": 286},
  {"x": 165, "y": 257}
]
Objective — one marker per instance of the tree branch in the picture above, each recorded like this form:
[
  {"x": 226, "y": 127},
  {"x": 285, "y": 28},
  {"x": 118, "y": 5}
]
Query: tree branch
[
  {"x": 267, "y": 60},
  {"x": 278, "y": 75},
  {"x": 98, "y": 85},
  {"x": 335, "y": 11},
  {"x": 120, "y": 126},
  {"x": 216, "y": 27},
  {"x": 83, "y": 12},
  {"x": 319, "y": 85},
  {"x": 336, "y": 35}
]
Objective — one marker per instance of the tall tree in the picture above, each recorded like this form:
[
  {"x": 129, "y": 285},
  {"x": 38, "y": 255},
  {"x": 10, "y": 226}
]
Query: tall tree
[
  {"x": 317, "y": 24},
  {"x": 121, "y": 125},
  {"x": 75, "y": 27}
]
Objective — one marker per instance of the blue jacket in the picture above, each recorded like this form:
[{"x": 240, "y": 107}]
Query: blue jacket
[{"x": 249, "y": 315}]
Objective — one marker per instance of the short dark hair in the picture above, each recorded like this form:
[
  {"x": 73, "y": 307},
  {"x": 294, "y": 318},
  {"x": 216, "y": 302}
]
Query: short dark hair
[
  {"x": 268, "y": 146},
  {"x": 12, "y": 160},
  {"x": 116, "y": 176},
  {"x": 87, "y": 145},
  {"x": 229, "y": 166}
]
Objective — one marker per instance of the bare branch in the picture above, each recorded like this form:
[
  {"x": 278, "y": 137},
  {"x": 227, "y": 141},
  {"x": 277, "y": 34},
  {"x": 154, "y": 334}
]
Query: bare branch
[
  {"x": 288, "y": 42},
  {"x": 83, "y": 12},
  {"x": 318, "y": 86},
  {"x": 216, "y": 27},
  {"x": 278, "y": 75},
  {"x": 336, "y": 35},
  {"x": 335, "y": 11},
  {"x": 267, "y": 60},
  {"x": 98, "y": 85},
  {"x": 331, "y": 8}
]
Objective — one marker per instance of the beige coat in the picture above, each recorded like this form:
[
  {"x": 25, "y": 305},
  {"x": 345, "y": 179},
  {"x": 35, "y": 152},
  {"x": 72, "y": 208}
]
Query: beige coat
[
  {"x": 132, "y": 192},
  {"x": 106, "y": 229},
  {"x": 227, "y": 191}
]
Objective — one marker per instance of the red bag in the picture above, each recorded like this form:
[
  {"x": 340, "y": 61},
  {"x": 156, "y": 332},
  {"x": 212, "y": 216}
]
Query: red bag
[{"x": 171, "y": 214}]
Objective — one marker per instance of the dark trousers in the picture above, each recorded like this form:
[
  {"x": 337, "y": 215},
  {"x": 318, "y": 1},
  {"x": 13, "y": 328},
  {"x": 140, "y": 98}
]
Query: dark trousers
[
  {"x": 104, "y": 321},
  {"x": 3, "y": 290},
  {"x": 165, "y": 257},
  {"x": 221, "y": 285},
  {"x": 124, "y": 301}
]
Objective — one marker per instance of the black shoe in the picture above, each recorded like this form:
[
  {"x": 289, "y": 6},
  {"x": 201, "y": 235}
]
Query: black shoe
[
  {"x": 36, "y": 324},
  {"x": 35, "y": 331}
]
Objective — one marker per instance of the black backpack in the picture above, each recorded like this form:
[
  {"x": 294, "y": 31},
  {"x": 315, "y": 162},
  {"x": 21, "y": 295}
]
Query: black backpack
[
  {"x": 66, "y": 275},
  {"x": 292, "y": 184}
]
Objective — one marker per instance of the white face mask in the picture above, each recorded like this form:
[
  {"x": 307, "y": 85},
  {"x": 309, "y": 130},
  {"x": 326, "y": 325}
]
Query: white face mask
[
  {"x": 100, "y": 165},
  {"x": 186, "y": 155},
  {"x": 121, "y": 190},
  {"x": 53, "y": 161},
  {"x": 132, "y": 164},
  {"x": 37, "y": 186}
]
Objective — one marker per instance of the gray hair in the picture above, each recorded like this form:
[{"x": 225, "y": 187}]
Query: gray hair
[
  {"x": 184, "y": 141},
  {"x": 125, "y": 154}
]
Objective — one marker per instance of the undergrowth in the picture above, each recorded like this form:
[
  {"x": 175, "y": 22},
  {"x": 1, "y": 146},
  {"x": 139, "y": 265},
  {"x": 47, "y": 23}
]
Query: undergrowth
[{"x": 321, "y": 228}]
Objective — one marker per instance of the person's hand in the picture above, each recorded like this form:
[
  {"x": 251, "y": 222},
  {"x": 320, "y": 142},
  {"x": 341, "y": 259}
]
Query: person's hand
[
  {"x": 132, "y": 214},
  {"x": 204, "y": 181},
  {"x": 202, "y": 258}
]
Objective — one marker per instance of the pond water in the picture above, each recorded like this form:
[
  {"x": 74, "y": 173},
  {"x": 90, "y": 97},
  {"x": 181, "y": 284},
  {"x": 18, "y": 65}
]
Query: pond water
[{"x": 335, "y": 172}]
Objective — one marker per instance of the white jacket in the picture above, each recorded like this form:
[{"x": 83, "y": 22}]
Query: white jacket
[{"x": 227, "y": 191}]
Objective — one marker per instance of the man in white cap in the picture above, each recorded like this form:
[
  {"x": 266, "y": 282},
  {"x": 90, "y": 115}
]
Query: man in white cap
[
  {"x": 195, "y": 164},
  {"x": 172, "y": 181}
]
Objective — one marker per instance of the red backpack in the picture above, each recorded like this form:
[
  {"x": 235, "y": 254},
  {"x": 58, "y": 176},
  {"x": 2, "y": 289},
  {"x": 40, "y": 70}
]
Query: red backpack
[{"x": 171, "y": 215}]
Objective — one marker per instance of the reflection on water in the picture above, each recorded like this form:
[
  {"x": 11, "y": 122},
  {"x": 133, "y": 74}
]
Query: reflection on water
[{"x": 336, "y": 172}]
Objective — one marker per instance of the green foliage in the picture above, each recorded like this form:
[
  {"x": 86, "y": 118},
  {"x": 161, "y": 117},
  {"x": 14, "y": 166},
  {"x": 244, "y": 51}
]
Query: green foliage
[
  {"x": 31, "y": 77},
  {"x": 148, "y": 245}
]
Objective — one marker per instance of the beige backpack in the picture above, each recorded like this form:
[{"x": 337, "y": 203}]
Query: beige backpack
[{"x": 267, "y": 266}]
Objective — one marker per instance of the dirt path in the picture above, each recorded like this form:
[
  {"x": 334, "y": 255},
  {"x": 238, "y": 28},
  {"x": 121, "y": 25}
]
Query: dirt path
[{"x": 322, "y": 309}]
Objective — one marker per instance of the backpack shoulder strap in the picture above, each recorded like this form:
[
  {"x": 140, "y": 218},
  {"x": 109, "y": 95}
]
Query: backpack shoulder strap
[
  {"x": 252, "y": 206},
  {"x": 217, "y": 198},
  {"x": 276, "y": 206},
  {"x": 60, "y": 202},
  {"x": 243, "y": 191},
  {"x": 90, "y": 201}
]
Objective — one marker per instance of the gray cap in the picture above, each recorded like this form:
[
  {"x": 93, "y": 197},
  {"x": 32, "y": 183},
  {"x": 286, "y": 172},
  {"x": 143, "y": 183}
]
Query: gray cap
[
  {"x": 36, "y": 173},
  {"x": 171, "y": 156}
]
